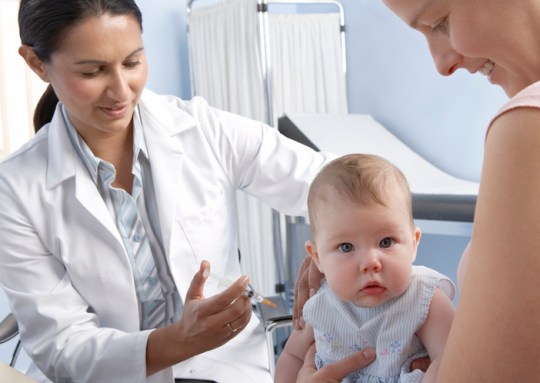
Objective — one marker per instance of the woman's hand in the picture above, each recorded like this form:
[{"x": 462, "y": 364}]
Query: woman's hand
[
  {"x": 308, "y": 281},
  {"x": 333, "y": 373},
  {"x": 206, "y": 323},
  {"x": 421, "y": 364}
]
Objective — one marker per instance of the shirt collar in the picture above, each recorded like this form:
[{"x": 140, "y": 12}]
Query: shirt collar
[
  {"x": 90, "y": 161},
  {"x": 138, "y": 135}
]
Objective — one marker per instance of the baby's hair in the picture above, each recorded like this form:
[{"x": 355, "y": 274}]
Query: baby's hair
[{"x": 363, "y": 178}]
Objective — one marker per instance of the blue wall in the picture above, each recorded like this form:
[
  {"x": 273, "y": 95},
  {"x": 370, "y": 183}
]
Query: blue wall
[{"x": 165, "y": 42}]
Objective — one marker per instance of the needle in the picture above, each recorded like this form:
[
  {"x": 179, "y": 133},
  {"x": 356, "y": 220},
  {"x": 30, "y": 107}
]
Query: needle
[{"x": 251, "y": 293}]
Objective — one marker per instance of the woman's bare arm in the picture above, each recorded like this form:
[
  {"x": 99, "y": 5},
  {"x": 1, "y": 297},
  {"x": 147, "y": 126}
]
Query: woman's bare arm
[{"x": 495, "y": 336}]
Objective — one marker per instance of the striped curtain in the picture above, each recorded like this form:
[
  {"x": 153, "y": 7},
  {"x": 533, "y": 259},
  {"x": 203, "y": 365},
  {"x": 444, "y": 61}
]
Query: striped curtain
[{"x": 307, "y": 64}]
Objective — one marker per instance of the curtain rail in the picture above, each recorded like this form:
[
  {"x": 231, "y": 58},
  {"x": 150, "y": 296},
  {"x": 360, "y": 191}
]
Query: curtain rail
[{"x": 335, "y": 2}]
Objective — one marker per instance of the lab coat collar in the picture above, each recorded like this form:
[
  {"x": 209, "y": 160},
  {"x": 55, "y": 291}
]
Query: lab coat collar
[
  {"x": 163, "y": 120},
  {"x": 156, "y": 115},
  {"x": 61, "y": 153},
  {"x": 64, "y": 164}
]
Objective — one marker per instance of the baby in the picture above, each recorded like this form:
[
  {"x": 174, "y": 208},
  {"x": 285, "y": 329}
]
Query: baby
[{"x": 364, "y": 241}]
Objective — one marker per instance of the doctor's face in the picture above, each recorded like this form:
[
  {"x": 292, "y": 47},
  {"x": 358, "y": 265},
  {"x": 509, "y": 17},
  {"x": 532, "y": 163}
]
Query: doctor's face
[
  {"x": 492, "y": 37},
  {"x": 99, "y": 72}
]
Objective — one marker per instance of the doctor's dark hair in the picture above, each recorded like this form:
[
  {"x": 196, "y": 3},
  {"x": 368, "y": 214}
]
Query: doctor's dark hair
[{"x": 44, "y": 23}]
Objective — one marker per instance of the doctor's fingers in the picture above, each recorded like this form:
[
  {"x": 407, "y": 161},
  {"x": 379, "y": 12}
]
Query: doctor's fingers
[
  {"x": 212, "y": 330},
  {"x": 210, "y": 314},
  {"x": 227, "y": 297},
  {"x": 199, "y": 337},
  {"x": 196, "y": 287},
  {"x": 237, "y": 317},
  {"x": 233, "y": 317}
]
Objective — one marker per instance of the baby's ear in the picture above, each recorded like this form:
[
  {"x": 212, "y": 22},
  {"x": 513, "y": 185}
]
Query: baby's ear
[
  {"x": 311, "y": 248},
  {"x": 416, "y": 238},
  {"x": 417, "y": 235}
]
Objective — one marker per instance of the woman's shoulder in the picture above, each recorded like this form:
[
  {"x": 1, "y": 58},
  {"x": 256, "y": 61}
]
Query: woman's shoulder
[{"x": 529, "y": 97}]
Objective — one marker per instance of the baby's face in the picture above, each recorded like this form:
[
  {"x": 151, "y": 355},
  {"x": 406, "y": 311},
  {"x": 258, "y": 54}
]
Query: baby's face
[{"x": 365, "y": 252}]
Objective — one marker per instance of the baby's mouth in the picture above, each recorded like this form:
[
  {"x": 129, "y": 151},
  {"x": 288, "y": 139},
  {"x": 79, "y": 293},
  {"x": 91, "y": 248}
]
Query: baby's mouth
[{"x": 373, "y": 288}]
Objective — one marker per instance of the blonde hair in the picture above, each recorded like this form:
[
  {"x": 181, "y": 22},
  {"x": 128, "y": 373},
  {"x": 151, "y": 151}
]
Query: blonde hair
[{"x": 363, "y": 178}]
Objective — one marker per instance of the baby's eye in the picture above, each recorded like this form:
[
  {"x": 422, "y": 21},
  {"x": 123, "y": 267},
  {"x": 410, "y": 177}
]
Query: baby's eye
[
  {"x": 346, "y": 247},
  {"x": 386, "y": 242}
]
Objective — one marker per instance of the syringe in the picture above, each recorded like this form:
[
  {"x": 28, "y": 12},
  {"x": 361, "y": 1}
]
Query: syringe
[{"x": 253, "y": 296}]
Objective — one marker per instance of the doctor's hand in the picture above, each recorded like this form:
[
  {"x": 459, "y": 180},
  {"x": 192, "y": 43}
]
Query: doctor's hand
[
  {"x": 211, "y": 322},
  {"x": 205, "y": 324},
  {"x": 308, "y": 282},
  {"x": 333, "y": 373}
]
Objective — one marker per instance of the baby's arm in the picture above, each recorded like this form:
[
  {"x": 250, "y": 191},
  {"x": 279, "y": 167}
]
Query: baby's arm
[
  {"x": 291, "y": 359},
  {"x": 434, "y": 332}
]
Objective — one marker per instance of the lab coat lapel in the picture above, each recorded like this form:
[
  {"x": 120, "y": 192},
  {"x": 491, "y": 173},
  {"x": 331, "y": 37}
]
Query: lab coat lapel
[
  {"x": 64, "y": 164},
  {"x": 162, "y": 126}
]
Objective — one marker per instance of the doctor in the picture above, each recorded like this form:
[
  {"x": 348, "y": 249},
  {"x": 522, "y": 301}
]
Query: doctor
[{"x": 111, "y": 212}]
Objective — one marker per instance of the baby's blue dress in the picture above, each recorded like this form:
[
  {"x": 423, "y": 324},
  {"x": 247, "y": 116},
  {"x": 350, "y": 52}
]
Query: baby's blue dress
[{"x": 342, "y": 328}]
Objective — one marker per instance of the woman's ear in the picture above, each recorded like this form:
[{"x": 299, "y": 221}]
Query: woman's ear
[
  {"x": 34, "y": 62},
  {"x": 311, "y": 248}
]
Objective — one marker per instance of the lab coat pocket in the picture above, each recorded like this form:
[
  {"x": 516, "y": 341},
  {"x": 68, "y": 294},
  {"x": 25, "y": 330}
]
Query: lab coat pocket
[{"x": 210, "y": 231}]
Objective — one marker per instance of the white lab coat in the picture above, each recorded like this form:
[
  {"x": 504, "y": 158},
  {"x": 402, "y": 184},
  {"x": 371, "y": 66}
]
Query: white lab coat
[{"x": 63, "y": 264}]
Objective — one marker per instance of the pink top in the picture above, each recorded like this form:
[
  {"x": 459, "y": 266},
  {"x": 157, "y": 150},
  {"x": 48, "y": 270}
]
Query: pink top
[{"x": 526, "y": 98}]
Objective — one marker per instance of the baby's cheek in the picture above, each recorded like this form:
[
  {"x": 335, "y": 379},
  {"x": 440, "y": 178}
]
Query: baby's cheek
[{"x": 462, "y": 267}]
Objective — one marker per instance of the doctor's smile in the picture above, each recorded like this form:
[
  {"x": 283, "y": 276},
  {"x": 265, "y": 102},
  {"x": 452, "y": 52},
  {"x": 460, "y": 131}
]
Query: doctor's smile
[{"x": 116, "y": 112}]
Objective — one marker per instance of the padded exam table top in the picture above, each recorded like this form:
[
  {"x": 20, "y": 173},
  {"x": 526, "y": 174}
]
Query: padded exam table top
[{"x": 436, "y": 194}]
